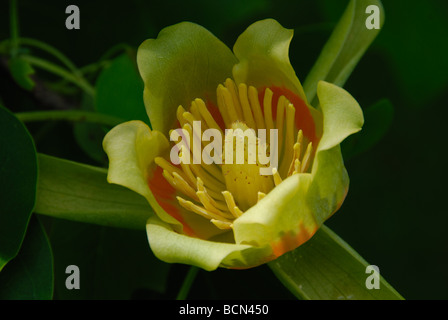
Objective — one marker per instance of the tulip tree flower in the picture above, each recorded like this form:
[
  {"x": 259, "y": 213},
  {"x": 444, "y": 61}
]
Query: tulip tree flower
[{"x": 229, "y": 215}]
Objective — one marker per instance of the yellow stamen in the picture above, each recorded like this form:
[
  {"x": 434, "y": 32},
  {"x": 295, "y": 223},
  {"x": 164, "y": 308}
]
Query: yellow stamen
[
  {"x": 199, "y": 210},
  {"x": 267, "y": 104},
  {"x": 222, "y": 108},
  {"x": 221, "y": 192},
  {"x": 227, "y": 101},
  {"x": 306, "y": 158},
  {"x": 180, "y": 112},
  {"x": 231, "y": 204},
  {"x": 276, "y": 176},
  {"x": 256, "y": 108},
  {"x": 168, "y": 177},
  {"x": 220, "y": 205},
  {"x": 208, "y": 205},
  {"x": 261, "y": 195},
  {"x": 210, "y": 181},
  {"x": 289, "y": 140},
  {"x": 230, "y": 85},
  {"x": 237, "y": 211},
  {"x": 179, "y": 185},
  {"x": 209, "y": 120},
  {"x": 194, "y": 110},
  {"x": 197, "y": 135},
  {"x": 188, "y": 116},
  {"x": 217, "y": 196},
  {"x": 295, "y": 157},
  {"x": 195, "y": 144},
  {"x": 245, "y": 105},
  {"x": 165, "y": 165},
  {"x": 281, "y": 105},
  {"x": 188, "y": 173},
  {"x": 296, "y": 166},
  {"x": 184, "y": 186},
  {"x": 223, "y": 225}
]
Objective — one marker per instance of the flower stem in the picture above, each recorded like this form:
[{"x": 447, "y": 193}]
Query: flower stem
[
  {"x": 188, "y": 281},
  {"x": 14, "y": 27},
  {"x": 55, "y": 69},
  {"x": 51, "y": 50},
  {"x": 71, "y": 115}
]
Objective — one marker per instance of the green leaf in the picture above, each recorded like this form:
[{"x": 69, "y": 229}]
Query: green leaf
[
  {"x": 21, "y": 71},
  {"x": 30, "y": 274},
  {"x": 114, "y": 263},
  {"x": 345, "y": 47},
  {"x": 79, "y": 192},
  {"x": 327, "y": 268},
  {"x": 378, "y": 120},
  {"x": 119, "y": 90},
  {"x": 18, "y": 171}
]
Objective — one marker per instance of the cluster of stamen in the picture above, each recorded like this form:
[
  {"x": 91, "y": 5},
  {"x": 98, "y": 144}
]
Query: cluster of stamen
[{"x": 222, "y": 192}]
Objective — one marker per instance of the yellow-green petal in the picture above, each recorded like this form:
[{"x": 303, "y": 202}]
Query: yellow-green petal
[
  {"x": 131, "y": 148},
  {"x": 185, "y": 62},
  {"x": 342, "y": 115},
  {"x": 172, "y": 247},
  {"x": 263, "y": 54},
  {"x": 293, "y": 211},
  {"x": 283, "y": 219}
]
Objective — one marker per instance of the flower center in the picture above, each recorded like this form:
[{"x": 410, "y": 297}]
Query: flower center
[
  {"x": 242, "y": 176},
  {"x": 231, "y": 178}
]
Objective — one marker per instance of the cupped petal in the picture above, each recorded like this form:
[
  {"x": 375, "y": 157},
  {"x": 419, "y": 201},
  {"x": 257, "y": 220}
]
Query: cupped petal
[
  {"x": 132, "y": 147},
  {"x": 282, "y": 220},
  {"x": 263, "y": 54},
  {"x": 329, "y": 186},
  {"x": 185, "y": 62},
  {"x": 293, "y": 211},
  {"x": 342, "y": 115},
  {"x": 172, "y": 247}
]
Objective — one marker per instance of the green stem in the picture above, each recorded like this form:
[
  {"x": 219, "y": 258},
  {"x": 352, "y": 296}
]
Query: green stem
[
  {"x": 71, "y": 115},
  {"x": 55, "y": 69},
  {"x": 14, "y": 26},
  {"x": 188, "y": 281},
  {"x": 51, "y": 50}
]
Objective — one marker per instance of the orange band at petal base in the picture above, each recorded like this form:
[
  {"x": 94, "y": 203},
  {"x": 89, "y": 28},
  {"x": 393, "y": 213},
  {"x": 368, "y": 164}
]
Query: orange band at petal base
[{"x": 291, "y": 240}]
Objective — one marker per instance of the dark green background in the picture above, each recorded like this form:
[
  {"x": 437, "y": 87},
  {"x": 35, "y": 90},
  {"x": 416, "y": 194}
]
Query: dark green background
[{"x": 395, "y": 214}]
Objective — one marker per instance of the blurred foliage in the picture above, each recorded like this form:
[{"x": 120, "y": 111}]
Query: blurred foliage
[
  {"x": 17, "y": 163},
  {"x": 393, "y": 215}
]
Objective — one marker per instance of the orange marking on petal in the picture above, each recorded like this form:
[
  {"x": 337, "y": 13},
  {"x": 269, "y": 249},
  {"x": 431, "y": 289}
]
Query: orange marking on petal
[
  {"x": 291, "y": 240},
  {"x": 303, "y": 118},
  {"x": 165, "y": 196},
  {"x": 214, "y": 111},
  {"x": 159, "y": 186}
]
